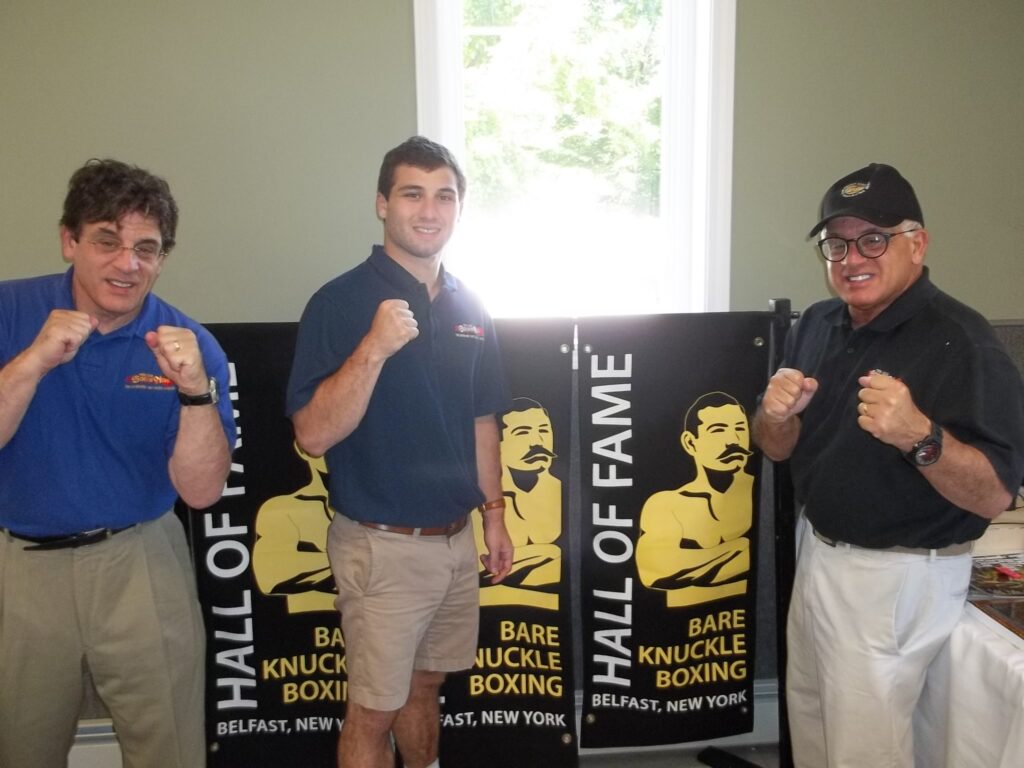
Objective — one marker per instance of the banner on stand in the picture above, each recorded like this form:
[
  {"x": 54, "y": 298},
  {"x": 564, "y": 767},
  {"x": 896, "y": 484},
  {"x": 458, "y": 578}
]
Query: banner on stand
[
  {"x": 669, "y": 512},
  {"x": 668, "y": 516},
  {"x": 519, "y": 693},
  {"x": 275, "y": 675}
]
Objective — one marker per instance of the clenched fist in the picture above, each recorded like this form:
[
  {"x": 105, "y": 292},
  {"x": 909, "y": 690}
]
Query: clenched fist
[
  {"x": 393, "y": 327},
  {"x": 177, "y": 353},
  {"x": 60, "y": 338},
  {"x": 887, "y": 412},
  {"x": 788, "y": 393}
]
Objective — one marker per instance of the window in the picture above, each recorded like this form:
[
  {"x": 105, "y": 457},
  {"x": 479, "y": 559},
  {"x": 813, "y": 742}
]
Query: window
[{"x": 596, "y": 136}]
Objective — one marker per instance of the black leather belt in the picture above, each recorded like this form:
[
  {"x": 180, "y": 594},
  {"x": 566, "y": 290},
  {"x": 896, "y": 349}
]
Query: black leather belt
[
  {"x": 950, "y": 551},
  {"x": 443, "y": 530},
  {"x": 68, "y": 541}
]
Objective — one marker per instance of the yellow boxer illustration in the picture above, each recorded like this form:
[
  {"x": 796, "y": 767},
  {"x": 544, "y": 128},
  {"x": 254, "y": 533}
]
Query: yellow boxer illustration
[
  {"x": 533, "y": 515},
  {"x": 693, "y": 543}
]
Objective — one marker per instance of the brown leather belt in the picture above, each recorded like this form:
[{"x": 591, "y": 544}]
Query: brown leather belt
[
  {"x": 950, "y": 551},
  {"x": 69, "y": 541},
  {"x": 444, "y": 530}
]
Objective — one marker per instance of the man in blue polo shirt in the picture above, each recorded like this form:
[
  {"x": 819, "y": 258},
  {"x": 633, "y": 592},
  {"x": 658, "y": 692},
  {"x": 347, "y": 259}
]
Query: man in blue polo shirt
[
  {"x": 396, "y": 381},
  {"x": 903, "y": 419},
  {"x": 109, "y": 411}
]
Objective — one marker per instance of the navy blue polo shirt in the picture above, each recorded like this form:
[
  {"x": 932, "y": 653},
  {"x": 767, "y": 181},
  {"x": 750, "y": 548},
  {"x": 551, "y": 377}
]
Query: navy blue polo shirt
[
  {"x": 412, "y": 459},
  {"x": 93, "y": 446},
  {"x": 859, "y": 490}
]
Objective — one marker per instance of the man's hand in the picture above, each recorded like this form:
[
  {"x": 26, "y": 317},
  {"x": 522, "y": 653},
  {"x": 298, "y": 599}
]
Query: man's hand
[
  {"x": 177, "y": 353},
  {"x": 887, "y": 412},
  {"x": 788, "y": 394},
  {"x": 776, "y": 427},
  {"x": 57, "y": 342},
  {"x": 964, "y": 475},
  {"x": 340, "y": 400},
  {"x": 393, "y": 327},
  {"x": 60, "y": 338},
  {"x": 498, "y": 560}
]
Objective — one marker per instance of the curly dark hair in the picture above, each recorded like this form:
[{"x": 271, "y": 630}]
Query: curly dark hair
[
  {"x": 419, "y": 152},
  {"x": 107, "y": 190}
]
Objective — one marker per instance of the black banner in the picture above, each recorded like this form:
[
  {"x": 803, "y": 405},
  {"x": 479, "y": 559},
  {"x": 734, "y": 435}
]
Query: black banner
[
  {"x": 276, "y": 675},
  {"x": 519, "y": 692},
  {"x": 667, "y": 648},
  {"x": 670, "y": 494},
  {"x": 276, "y": 678}
]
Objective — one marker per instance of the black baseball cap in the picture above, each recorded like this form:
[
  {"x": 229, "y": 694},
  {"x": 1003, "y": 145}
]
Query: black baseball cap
[{"x": 876, "y": 193}]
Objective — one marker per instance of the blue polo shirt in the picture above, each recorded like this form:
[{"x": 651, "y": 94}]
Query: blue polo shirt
[
  {"x": 93, "y": 447},
  {"x": 412, "y": 459},
  {"x": 856, "y": 488}
]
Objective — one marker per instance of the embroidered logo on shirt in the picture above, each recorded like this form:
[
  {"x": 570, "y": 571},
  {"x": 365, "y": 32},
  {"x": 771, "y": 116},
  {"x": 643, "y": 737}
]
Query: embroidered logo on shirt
[
  {"x": 856, "y": 188},
  {"x": 469, "y": 331},
  {"x": 147, "y": 381}
]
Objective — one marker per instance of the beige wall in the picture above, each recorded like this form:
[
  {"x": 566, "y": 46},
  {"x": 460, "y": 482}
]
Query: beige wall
[
  {"x": 934, "y": 87},
  {"x": 269, "y": 119}
]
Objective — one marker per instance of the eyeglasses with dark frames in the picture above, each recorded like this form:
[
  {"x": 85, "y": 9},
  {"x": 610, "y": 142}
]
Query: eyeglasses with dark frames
[{"x": 870, "y": 245}]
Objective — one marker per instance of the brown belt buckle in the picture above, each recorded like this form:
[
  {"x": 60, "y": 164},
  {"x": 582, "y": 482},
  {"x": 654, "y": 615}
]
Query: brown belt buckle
[{"x": 453, "y": 528}]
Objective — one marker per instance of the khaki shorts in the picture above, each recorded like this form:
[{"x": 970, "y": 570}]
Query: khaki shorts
[{"x": 407, "y": 603}]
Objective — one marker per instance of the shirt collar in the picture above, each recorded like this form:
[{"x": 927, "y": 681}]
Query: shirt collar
[
  {"x": 401, "y": 277},
  {"x": 142, "y": 322},
  {"x": 905, "y": 306}
]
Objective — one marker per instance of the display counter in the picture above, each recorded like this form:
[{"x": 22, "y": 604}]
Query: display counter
[{"x": 973, "y": 705}]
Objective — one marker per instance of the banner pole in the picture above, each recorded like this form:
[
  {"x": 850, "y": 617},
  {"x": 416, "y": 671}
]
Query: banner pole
[
  {"x": 785, "y": 563},
  {"x": 785, "y": 534}
]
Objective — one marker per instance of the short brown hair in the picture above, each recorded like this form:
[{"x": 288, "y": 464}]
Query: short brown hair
[
  {"x": 419, "y": 152},
  {"x": 107, "y": 190}
]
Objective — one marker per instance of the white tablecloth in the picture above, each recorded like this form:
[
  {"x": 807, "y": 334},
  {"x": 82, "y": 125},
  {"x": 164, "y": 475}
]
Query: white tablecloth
[{"x": 973, "y": 705}]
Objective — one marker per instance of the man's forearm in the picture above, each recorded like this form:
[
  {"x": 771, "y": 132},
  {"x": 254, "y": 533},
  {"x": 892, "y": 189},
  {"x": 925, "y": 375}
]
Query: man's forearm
[
  {"x": 18, "y": 383},
  {"x": 775, "y": 439},
  {"x": 964, "y": 476},
  {"x": 488, "y": 457},
  {"x": 201, "y": 459},
  {"x": 338, "y": 404}
]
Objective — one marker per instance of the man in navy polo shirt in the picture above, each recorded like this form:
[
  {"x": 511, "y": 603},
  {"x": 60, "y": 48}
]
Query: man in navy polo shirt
[
  {"x": 108, "y": 412},
  {"x": 396, "y": 381},
  {"x": 903, "y": 419}
]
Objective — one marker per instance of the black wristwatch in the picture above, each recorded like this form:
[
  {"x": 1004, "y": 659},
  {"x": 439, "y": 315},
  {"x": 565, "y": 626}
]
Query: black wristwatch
[
  {"x": 210, "y": 397},
  {"x": 928, "y": 450}
]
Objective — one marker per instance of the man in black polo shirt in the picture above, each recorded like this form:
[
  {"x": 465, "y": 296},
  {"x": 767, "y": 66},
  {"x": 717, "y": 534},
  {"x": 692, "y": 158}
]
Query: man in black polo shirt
[
  {"x": 903, "y": 418},
  {"x": 396, "y": 382}
]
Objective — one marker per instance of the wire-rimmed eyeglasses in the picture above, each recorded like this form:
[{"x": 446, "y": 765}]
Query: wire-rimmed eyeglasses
[
  {"x": 871, "y": 245},
  {"x": 147, "y": 252}
]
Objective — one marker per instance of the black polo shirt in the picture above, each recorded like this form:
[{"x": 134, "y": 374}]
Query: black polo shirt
[
  {"x": 412, "y": 459},
  {"x": 859, "y": 490}
]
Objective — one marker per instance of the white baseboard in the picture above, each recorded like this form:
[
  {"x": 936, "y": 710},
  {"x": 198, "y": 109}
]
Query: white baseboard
[{"x": 95, "y": 746}]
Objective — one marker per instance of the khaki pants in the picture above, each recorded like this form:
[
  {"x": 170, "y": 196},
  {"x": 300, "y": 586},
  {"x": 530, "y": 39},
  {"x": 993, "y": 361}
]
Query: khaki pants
[{"x": 127, "y": 608}]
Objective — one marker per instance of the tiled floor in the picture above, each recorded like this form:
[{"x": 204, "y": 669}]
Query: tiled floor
[
  {"x": 766, "y": 756},
  {"x": 106, "y": 755}
]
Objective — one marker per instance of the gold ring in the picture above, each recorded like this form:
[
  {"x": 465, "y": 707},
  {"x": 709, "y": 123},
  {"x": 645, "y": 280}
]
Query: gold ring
[{"x": 864, "y": 408}]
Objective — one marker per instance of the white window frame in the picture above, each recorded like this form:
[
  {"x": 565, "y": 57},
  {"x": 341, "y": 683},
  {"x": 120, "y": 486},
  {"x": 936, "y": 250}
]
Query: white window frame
[{"x": 696, "y": 178}]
